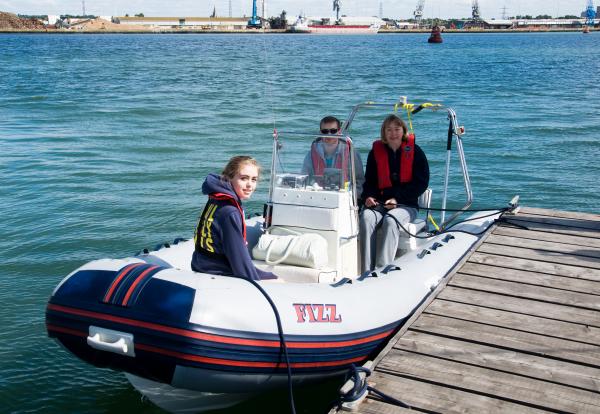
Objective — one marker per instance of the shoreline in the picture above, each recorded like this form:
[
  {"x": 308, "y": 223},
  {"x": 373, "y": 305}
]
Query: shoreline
[{"x": 276, "y": 31}]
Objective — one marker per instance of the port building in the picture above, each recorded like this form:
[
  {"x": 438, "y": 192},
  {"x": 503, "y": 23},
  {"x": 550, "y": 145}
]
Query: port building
[{"x": 217, "y": 23}]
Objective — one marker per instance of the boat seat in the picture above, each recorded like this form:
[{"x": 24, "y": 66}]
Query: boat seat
[
  {"x": 297, "y": 274},
  {"x": 417, "y": 225}
]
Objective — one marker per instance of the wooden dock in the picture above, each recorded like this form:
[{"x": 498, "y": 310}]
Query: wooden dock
[{"x": 516, "y": 328}]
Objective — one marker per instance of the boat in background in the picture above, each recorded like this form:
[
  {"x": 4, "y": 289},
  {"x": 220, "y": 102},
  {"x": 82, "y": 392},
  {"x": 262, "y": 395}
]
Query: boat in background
[
  {"x": 436, "y": 35},
  {"x": 343, "y": 25},
  {"x": 302, "y": 26},
  {"x": 586, "y": 29}
]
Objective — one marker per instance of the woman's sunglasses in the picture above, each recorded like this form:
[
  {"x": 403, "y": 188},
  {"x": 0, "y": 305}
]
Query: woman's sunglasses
[{"x": 329, "y": 131}]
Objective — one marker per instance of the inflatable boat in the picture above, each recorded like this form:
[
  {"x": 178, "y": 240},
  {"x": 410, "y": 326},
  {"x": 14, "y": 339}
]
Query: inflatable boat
[{"x": 194, "y": 341}]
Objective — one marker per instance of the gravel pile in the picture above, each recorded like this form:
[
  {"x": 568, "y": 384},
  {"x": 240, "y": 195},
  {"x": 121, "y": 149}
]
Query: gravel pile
[{"x": 9, "y": 21}]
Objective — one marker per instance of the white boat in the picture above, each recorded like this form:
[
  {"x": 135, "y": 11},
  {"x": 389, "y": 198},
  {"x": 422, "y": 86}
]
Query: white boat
[
  {"x": 193, "y": 341},
  {"x": 302, "y": 25},
  {"x": 343, "y": 29}
]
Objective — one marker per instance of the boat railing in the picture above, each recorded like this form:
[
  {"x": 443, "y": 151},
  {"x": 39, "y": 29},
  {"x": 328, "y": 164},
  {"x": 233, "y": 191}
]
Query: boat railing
[{"x": 455, "y": 132}]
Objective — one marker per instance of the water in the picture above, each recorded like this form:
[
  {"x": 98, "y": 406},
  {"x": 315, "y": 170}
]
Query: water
[{"x": 105, "y": 141}]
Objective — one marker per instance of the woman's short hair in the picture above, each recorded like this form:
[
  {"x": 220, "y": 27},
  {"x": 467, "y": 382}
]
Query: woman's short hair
[
  {"x": 393, "y": 119},
  {"x": 235, "y": 164}
]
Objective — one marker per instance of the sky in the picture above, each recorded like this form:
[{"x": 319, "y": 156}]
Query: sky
[{"x": 397, "y": 9}]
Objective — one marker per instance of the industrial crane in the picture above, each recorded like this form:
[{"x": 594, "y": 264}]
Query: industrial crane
[
  {"x": 418, "y": 13},
  {"x": 475, "y": 10},
  {"x": 254, "y": 20},
  {"x": 336, "y": 8},
  {"x": 590, "y": 14}
]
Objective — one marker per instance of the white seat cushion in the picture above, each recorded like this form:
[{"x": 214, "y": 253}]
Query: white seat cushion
[{"x": 296, "y": 274}]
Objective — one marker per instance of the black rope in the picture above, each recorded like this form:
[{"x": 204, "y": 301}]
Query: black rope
[
  {"x": 388, "y": 398},
  {"x": 448, "y": 229},
  {"x": 281, "y": 339},
  {"x": 512, "y": 223},
  {"x": 361, "y": 387}
]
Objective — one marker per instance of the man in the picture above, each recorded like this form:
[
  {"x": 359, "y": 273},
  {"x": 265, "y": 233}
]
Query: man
[{"x": 330, "y": 152}]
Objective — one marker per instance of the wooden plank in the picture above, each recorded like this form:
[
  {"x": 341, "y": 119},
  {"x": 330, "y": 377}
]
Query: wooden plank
[
  {"x": 522, "y": 305},
  {"x": 435, "y": 398},
  {"x": 532, "y": 343},
  {"x": 542, "y": 256},
  {"x": 559, "y": 221},
  {"x": 569, "y": 249},
  {"x": 526, "y": 323},
  {"x": 371, "y": 406},
  {"x": 560, "y": 213},
  {"x": 534, "y": 224},
  {"x": 546, "y": 236},
  {"x": 506, "y": 360},
  {"x": 432, "y": 296},
  {"x": 572, "y": 301},
  {"x": 535, "y": 266},
  {"x": 502, "y": 385},
  {"x": 532, "y": 278}
]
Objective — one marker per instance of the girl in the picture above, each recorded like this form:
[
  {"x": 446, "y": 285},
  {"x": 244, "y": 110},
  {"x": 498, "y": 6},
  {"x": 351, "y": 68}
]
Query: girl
[{"x": 220, "y": 238}]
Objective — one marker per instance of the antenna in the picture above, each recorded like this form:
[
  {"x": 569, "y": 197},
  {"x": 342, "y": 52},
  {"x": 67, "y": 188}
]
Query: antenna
[
  {"x": 229, "y": 8},
  {"x": 381, "y": 9},
  {"x": 83, "y": 7},
  {"x": 504, "y": 13}
]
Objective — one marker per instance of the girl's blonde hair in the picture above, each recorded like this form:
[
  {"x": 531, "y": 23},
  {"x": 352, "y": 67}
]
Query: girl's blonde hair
[
  {"x": 393, "y": 119},
  {"x": 235, "y": 164}
]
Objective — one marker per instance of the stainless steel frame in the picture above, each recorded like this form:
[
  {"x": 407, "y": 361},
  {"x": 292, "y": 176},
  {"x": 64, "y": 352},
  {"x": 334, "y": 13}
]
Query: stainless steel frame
[{"x": 454, "y": 131}]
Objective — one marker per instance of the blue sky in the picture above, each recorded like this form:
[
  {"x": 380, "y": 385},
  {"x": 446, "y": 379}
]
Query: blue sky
[{"x": 391, "y": 8}]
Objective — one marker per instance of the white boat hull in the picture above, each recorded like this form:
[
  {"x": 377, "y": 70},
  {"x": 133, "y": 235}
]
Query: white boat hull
[{"x": 213, "y": 341}]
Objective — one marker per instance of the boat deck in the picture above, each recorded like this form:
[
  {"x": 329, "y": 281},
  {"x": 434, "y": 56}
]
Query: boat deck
[{"x": 515, "y": 329}]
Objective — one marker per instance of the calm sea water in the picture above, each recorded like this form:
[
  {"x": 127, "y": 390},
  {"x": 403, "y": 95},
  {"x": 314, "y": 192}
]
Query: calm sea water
[{"x": 105, "y": 141}]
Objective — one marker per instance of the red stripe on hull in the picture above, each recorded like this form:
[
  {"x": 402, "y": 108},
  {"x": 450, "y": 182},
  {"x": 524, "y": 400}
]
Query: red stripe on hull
[
  {"x": 135, "y": 283},
  {"x": 215, "y": 338},
  {"x": 119, "y": 277},
  {"x": 220, "y": 361},
  {"x": 249, "y": 364}
]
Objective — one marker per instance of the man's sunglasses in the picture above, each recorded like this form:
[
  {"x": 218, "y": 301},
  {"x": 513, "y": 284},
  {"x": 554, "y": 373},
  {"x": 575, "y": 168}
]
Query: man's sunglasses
[{"x": 329, "y": 131}]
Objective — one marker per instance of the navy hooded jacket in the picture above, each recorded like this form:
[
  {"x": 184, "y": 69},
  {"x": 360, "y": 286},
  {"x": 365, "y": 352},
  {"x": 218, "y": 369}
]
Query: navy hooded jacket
[{"x": 219, "y": 239}]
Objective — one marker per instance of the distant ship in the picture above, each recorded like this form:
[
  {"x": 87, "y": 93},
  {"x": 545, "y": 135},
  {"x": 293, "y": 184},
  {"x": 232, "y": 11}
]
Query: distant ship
[{"x": 302, "y": 26}]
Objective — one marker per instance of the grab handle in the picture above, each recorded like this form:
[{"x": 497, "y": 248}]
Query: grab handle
[{"x": 111, "y": 341}]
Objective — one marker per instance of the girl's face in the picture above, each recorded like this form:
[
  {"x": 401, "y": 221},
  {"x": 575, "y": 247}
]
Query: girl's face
[{"x": 244, "y": 182}]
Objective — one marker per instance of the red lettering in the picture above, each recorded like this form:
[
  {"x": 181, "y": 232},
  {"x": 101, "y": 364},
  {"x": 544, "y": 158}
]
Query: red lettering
[
  {"x": 321, "y": 317},
  {"x": 316, "y": 313},
  {"x": 333, "y": 317},
  {"x": 300, "y": 312},
  {"x": 311, "y": 313}
]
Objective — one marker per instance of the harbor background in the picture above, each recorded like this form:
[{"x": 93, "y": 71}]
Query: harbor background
[{"x": 105, "y": 141}]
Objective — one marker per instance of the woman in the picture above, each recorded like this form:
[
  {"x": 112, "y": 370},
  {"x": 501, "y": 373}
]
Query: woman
[
  {"x": 220, "y": 238},
  {"x": 397, "y": 174}
]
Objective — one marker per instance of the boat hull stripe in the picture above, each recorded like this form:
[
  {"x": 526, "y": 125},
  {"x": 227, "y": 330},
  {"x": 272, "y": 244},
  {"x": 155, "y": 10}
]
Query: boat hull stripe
[
  {"x": 136, "y": 282},
  {"x": 120, "y": 275},
  {"x": 222, "y": 361},
  {"x": 216, "y": 338}
]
